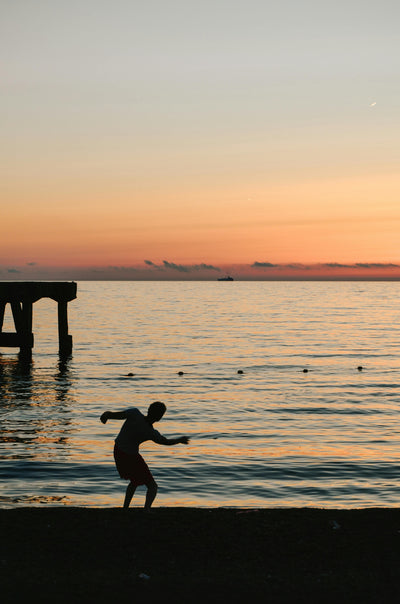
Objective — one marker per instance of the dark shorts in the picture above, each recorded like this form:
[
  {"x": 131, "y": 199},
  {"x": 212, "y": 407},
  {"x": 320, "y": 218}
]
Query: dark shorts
[{"x": 132, "y": 467}]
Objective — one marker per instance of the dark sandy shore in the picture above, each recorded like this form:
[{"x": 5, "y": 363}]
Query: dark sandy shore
[{"x": 192, "y": 555}]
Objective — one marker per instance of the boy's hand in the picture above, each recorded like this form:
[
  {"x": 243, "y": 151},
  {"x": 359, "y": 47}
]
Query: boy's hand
[
  {"x": 185, "y": 440},
  {"x": 104, "y": 417}
]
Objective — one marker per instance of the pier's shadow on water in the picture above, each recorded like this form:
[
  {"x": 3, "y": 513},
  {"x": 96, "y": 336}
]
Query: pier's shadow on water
[
  {"x": 19, "y": 382},
  {"x": 36, "y": 427}
]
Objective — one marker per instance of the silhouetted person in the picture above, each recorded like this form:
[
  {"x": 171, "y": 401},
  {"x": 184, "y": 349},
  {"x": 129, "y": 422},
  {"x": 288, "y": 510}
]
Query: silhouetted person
[{"x": 136, "y": 429}]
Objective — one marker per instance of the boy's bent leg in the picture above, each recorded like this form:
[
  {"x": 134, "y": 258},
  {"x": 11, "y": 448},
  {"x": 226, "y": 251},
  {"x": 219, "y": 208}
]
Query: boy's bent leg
[
  {"x": 130, "y": 491},
  {"x": 151, "y": 494}
]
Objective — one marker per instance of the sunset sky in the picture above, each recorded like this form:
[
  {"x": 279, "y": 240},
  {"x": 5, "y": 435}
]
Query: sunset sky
[{"x": 179, "y": 139}]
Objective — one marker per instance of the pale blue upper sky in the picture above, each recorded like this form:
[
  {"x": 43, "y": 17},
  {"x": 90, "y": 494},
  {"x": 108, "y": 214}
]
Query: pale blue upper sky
[{"x": 195, "y": 72}]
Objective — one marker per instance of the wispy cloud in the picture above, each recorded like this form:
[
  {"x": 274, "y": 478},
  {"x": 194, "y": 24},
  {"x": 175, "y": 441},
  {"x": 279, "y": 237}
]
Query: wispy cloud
[
  {"x": 13, "y": 270},
  {"x": 182, "y": 268},
  {"x": 264, "y": 265},
  {"x": 362, "y": 265},
  {"x": 376, "y": 265},
  {"x": 176, "y": 267},
  {"x": 205, "y": 267},
  {"x": 296, "y": 266},
  {"x": 327, "y": 266}
]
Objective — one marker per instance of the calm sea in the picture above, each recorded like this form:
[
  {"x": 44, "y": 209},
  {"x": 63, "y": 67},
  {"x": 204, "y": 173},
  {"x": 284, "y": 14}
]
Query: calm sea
[{"x": 273, "y": 435}]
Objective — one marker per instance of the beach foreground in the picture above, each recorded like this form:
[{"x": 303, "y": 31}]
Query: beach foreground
[{"x": 191, "y": 554}]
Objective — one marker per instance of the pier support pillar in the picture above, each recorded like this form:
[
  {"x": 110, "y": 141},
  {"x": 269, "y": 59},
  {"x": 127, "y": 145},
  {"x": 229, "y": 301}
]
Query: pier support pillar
[
  {"x": 64, "y": 339},
  {"x": 2, "y": 309},
  {"x": 26, "y": 330},
  {"x": 22, "y": 337}
]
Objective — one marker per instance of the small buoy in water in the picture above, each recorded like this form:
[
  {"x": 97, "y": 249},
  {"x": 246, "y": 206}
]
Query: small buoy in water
[
  {"x": 305, "y": 370},
  {"x": 180, "y": 372},
  {"x": 240, "y": 371},
  {"x": 359, "y": 368}
]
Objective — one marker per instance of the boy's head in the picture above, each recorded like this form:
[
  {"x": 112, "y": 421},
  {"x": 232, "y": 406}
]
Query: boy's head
[{"x": 156, "y": 411}]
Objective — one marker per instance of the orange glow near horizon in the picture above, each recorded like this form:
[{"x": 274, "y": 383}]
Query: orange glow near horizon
[{"x": 331, "y": 220}]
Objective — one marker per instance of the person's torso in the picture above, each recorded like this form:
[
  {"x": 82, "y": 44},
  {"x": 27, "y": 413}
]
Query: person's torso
[{"x": 135, "y": 430}]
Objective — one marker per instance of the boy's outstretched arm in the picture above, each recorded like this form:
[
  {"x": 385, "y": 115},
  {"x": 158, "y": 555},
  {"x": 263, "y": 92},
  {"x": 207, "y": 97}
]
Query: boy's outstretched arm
[
  {"x": 181, "y": 440},
  {"x": 113, "y": 415}
]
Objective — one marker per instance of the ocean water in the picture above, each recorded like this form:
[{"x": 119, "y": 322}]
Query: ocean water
[{"x": 271, "y": 436}]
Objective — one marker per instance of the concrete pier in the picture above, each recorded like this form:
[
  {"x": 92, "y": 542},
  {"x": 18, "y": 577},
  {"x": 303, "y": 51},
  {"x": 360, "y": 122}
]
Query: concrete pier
[{"x": 21, "y": 295}]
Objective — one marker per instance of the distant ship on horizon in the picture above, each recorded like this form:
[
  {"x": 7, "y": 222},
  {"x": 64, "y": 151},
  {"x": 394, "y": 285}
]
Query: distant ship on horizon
[{"x": 227, "y": 278}]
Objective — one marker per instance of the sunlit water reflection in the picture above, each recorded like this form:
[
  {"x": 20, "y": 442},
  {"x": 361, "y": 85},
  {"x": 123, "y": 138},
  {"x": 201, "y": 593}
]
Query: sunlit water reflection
[{"x": 272, "y": 436}]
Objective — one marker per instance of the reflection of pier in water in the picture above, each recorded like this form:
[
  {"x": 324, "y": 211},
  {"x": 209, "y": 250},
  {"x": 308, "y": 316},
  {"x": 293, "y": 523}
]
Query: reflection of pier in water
[
  {"x": 35, "y": 411},
  {"x": 37, "y": 427},
  {"x": 21, "y": 296}
]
